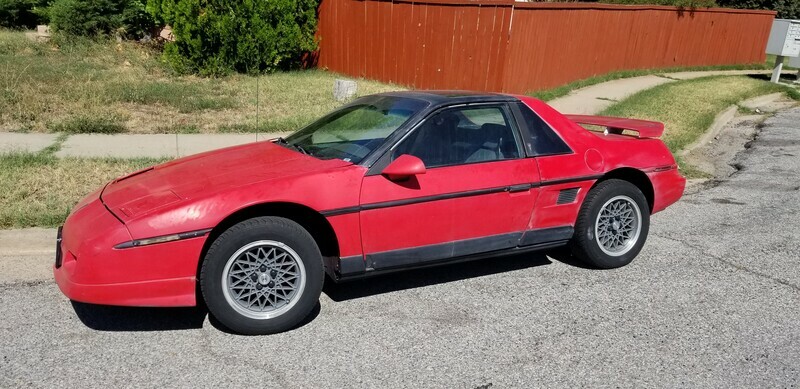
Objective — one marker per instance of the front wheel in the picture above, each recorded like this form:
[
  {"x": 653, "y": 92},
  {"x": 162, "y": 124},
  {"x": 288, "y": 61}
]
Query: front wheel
[
  {"x": 612, "y": 225},
  {"x": 262, "y": 276}
]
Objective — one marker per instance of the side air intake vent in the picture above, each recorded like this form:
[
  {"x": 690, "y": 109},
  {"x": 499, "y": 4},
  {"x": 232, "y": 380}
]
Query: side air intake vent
[{"x": 566, "y": 196}]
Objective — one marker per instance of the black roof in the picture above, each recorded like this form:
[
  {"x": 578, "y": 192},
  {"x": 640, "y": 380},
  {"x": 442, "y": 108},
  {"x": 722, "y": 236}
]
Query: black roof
[{"x": 438, "y": 97}]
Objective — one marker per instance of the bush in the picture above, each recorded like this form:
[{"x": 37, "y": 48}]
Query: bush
[
  {"x": 22, "y": 13},
  {"x": 674, "y": 3},
  {"x": 216, "y": 37},
  {"x": 787, "y": 9},
  {"x": 126, "y": 18}
]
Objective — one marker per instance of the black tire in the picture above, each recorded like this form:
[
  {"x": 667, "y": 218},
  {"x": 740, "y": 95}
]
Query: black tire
[
  {"x": 585, "y": 244},
  {"x": 258, "y": 231}
]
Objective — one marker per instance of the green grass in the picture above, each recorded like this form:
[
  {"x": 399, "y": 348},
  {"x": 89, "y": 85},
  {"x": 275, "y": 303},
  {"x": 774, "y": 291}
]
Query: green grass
[
  {"x": 180, "y": 129},
  {"x": 82, "y": 85},
  {"x": 81, "y": 124},
  {"x": 771, "y": 62},
  {"x": 688, "y": 108},
  {"x": 38, "y": 189},
  {"x": 184, "y": 96},
  {"x": 563, "y": 90}
]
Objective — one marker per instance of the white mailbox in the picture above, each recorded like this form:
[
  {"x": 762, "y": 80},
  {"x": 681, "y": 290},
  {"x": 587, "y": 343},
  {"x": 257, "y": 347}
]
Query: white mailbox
[
  {"x": 794, "y": 62},
  {"x": 784, "y": 38}
]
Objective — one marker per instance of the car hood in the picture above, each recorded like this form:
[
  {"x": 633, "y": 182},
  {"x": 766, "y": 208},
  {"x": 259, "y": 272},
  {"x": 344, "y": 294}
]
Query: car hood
[{"x": 202, "y": 175}]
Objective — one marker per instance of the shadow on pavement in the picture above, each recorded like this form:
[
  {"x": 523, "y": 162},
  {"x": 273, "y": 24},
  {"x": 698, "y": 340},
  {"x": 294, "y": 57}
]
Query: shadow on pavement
[
  {"x": 110, "y": 318},
  {"x": 121, "y": 319},
  {"x": 431, "y": 276},
  {"x": 564, "y": 255}
]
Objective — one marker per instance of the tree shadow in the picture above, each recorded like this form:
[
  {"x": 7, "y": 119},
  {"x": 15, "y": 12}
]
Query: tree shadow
[{"x": 787, "y": 76}]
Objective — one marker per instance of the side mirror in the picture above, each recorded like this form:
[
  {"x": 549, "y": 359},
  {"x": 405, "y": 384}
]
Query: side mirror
[{"x": 404, "y": 167}]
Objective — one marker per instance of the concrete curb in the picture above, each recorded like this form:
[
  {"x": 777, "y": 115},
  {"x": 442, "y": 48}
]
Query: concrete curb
[
  {"x": 153, "y": 145},
  {"x": 720, "y": 121},
  {"x": 27, "y": 255},
  {"x": 28, "y": 241},
  {"x": 723, "y": 118},
  {"x": 594, "y": 98}
]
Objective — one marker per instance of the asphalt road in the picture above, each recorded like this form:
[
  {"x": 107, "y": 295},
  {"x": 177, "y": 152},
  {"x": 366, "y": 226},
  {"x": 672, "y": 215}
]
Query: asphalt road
[{"x": 713, "y": 301}]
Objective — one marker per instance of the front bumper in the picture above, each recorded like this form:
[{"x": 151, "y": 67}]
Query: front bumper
[
  {"x": 91, "y": 270},
  {"x": 179, "y": 292}
]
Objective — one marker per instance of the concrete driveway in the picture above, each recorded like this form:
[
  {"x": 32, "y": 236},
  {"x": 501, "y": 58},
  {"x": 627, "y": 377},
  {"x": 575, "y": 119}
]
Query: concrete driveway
[{"x": 712, "y": 301}]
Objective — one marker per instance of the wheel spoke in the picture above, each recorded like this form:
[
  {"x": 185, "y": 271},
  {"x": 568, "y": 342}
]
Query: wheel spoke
[
  {"x": 617, "y": 225},
  {"x": 263, "y": 277}
]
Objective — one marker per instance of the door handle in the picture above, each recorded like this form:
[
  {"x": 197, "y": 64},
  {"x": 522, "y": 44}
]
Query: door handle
[{"x": 518, "y": 188}]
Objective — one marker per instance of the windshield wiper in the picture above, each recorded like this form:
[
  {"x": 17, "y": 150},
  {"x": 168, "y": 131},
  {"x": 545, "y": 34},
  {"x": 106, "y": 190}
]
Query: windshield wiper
[{"x": 299, "y": 148}]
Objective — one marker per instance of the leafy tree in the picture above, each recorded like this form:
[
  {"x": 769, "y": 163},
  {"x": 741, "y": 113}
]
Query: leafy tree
[
  {"x": 674, "y": 3},
  {"x": 127, "y": 18},
  {"x": 215, "y": 37},
  {"x": 787, "y": 9},
  {"x": 22, "y": 13}
]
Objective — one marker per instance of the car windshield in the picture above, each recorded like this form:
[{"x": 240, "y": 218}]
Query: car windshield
[{"x": 353, "y": 131}]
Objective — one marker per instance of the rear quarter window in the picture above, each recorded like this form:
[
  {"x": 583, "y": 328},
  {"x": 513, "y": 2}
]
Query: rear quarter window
[{"x": 544, "y": 140}]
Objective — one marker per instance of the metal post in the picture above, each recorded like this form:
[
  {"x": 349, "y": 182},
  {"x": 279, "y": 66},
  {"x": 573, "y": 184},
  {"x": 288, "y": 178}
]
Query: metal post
[{"x": 776, "y": 71}]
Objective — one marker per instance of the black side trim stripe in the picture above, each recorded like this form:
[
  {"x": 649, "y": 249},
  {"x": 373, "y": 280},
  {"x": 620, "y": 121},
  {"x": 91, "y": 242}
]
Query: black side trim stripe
[
  {"x": 455, "y": 195},
  {"x": 353, "y": 264},
  {"x": 569, "y": 180},
  {"x": 162, "y": 239},
  {"x": 422, "y": 255},
  {"x": 446, "y": 196},
  {"x": 341, "y": 211},
  {"x": 533, "y": 237}
]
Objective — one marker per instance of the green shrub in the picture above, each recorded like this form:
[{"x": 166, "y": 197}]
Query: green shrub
[
  {"x": 126, "y": 18},
  {"x": 674, "y": 3},
  {"x": 22, "y": 13},
  {"x": 216, "y": 37},
  {"x": 787, "y": 9}
]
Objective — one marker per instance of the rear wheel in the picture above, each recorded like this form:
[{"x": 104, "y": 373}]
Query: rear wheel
[
  {"x": 612, "y": 225},
  {"x": 262, "y": 276}
]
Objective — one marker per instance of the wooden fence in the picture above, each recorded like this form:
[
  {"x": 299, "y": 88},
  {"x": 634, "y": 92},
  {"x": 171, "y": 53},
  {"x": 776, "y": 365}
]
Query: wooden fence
[{"x": 501, "y": 45}]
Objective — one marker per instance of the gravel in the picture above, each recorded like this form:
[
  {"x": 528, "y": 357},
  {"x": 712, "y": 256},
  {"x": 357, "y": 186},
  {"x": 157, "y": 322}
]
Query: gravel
[{"x": 711, "y": 301}]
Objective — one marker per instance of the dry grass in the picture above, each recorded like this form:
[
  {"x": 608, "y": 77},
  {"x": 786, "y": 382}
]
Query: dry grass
[
  {"x": 687, "y": 108},
  {"x": 89, "y": 86},
  {"x": 39, "y": 189}
]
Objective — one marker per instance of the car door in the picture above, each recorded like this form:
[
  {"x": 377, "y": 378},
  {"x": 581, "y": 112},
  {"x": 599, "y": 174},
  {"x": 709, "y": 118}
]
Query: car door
[{"x": 475, "y": 196}]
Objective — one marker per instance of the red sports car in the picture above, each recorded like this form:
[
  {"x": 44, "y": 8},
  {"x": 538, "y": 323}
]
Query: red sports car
[{"x": 390, "y": 181}]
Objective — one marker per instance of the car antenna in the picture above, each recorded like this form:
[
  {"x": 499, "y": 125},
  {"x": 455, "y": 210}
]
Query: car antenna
[{"x": 258, "y": 79}]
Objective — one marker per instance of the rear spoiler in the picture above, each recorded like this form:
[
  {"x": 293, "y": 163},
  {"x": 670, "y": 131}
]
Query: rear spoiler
[{"x": 644, "y": 128}]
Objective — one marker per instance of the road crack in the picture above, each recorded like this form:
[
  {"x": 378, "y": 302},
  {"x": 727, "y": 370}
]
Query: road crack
[
  {"x": 23, "y": 283},
  {"x": 732, "y": 264}
]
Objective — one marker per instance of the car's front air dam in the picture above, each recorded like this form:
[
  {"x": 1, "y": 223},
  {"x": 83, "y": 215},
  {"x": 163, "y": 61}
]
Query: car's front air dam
[
  {"x": 93, "y": 271},
  {"x": 179, "y": 292}
]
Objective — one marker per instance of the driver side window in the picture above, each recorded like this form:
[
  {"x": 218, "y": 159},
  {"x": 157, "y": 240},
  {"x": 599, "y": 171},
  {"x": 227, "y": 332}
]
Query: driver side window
[{"x": 462, "y": 135}]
